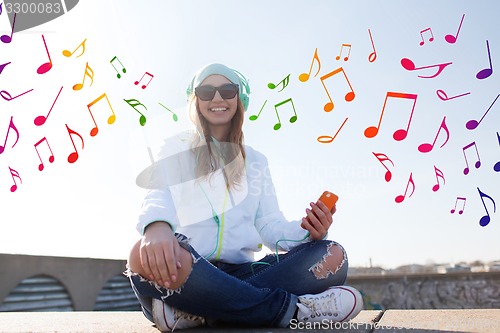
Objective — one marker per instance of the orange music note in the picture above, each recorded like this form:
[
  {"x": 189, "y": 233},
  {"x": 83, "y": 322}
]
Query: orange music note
[
  {"x": 145, "y": 85},
  {"x": 478, "y": 162},
  {"x": 8, "y": 97},
  {"x": 174, "y": 116},
  {"x": 341, "y": 49},
  {"x": 133, "y": 103},
  {"x": 485, "y": 220},
  {"x": 73, "y": 157},
  {"x": 40, "y": 120},
  {"x": 293, "y": 118},
  {"x": 68, "y": 54},
  {"x": 427, "y": 147},
  {"x": 382, "y": 158},
  {"x": 329, "y": 139},
  {"x": 400, "y": 134},
  {"x": 444, "y": 97},
  {"x": 455, "y": 207},
  {"x": 88, "y": 72},
  {"x": 305, "y": 76},
  {"x": 348, "y": 97},
  {"x": 14, "y": 173},
  {"x": 5, "y": 38},
  {"x": 283, "y": 82},
  {"x": 44, "y": 68},
  {"x": 123, "y": 68},
  {"x": 400, "y": 198},
  {"x": 410, "y": 66},
  {"x": 422, "y": 35},
  {"x": 439, "y": 174},
  {"x": 373, "y": 55},
  {"x": 51, "y": 157},
  {"x": 452, "y": 39},
  {"x": 111, "y": 119},
  {"x": 11, "y": 125}
]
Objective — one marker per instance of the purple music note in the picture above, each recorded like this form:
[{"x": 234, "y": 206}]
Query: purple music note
[
  {"x": 472, "y": 124},
  {"x": 485, "y": 220},
  {"x": 484, "y": 73},
  {"x": 497, "y": 164},
  {"x": 478, "y": 162}
]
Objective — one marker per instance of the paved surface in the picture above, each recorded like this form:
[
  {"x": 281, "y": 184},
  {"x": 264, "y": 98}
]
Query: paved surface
[{"x": 415, "y": 321}]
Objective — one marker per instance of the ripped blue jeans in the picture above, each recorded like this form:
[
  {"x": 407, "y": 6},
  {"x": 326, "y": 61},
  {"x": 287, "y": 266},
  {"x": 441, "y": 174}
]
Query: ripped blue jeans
[{"x": 261, "y": 293}]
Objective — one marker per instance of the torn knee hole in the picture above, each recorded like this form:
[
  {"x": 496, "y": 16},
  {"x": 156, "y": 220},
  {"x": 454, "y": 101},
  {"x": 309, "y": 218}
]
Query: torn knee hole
[{"x": 331, "y": 262}]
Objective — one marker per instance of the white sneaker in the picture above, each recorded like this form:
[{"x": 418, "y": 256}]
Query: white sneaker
[
  {"x": 336, "y": 304},
  {"x": 167, "y": 318}
]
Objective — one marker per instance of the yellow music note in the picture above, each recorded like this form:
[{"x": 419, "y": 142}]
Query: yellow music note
[
  {"x": 88, "y": 72},
  {"x": 68, "y": 54},
  {"x": 305, "y": 76}
]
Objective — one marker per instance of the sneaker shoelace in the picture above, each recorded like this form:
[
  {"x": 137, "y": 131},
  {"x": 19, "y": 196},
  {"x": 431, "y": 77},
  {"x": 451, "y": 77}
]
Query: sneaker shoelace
[
  {"x": 184, "y": 315},
  {"x": 324, "y": 305}
]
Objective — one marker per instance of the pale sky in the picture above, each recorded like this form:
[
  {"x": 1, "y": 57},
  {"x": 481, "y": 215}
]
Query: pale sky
[{"x": 89, "y": 208}]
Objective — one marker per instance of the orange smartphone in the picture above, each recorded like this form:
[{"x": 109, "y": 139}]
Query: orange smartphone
[{"x": 329, "y": 199}]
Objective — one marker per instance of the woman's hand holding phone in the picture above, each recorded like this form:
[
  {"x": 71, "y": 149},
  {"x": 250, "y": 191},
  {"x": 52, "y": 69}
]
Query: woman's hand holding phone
[{"x": 319, "y": 216}]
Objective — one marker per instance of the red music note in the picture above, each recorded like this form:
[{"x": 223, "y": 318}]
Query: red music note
[
  {"x": 341, "y": 49},
  {"x": 51, "y": 157},
  {"x": 174, "y": 116},
  {"x": 44, "y": 68},
  {"x": 40, "y": 120},
  {"x": 427, "y": 147},
  {"x": 145, "y": 85},
  {"x": 283, "y": 82},
  {"x": 111, "y": 119},
  {"x": 382, "y": 158},
  {"x": 305, "y": 76},
  {"x": 422, "y": 35},
  {"x": 11, "y": 125},
  {"x": 14, "y": 173},
  {"x": 5, "y": 38},
  {"x": 472, "y": 124},
  {"x": 73, "y": 157},
  {"x": 485, "y": 220},
  {"x": 452, "y": 39},
  {"x": 439, "y": 174},
  {"x": 400, "y": 134},
  {"x": 478, "y": 162},
  {"x": 455, "y": 207},
  {"x": 400, "y": 198},
  {"x": 133, "y": 103},
  {"x": 373, "y": 55},
  {"x": 118, "y": 75},
  {"x": 3, "y": 66},
  {"x": 88, "y": 72},
  {"x": 329, "y": 139},
  {"x": 68, "y": 54},
  {"x": 348, "y": 97},
  {"x": 410, "y": 66},
  {"x": 444, "y": 97},
  {"x": 497, "y": 164},
  {"x": 484, "y": 73},
  {"x": 8, "y": 97}
]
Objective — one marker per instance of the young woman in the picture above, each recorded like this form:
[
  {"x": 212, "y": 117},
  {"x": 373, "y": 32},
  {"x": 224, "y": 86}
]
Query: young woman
[{"x": 210, "y": 206}]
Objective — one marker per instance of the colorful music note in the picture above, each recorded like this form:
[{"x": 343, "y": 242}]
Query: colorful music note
[
  {"x": 45, "y": 67},
  {"x": 174, "y": 116},
  {"x": 348, "y": 97},
  {"x": 284, "y": 82},
  {"x": 382, "y": 158},
  {"x": 88, "y": 72},
  {"x": 51, "y": 157},
  {"x": 472, "y": 124},
  {"x": 400, "y": 134},
  {"x": 427, "y": 147},
  {"x": 68, "y": 54},
  {"x": 484, "y": 73},
  {"x": 5, "y": 95},
  {"x": 118, "y": 75},
  {"x": 439, "y": 174},
  {"x": 14, "y": 173},
  {"x": 431, "y": 38},
  {"x": 293, "y": 118},
  {"x": 341, "y": 49},
  {"x": 485, "y": 220},
  {"x": 478, "y": 162},
  {"x": 452, "y": 39},
  {"x": 329, "y": 139},
  {"x": 444, "y": 97},
  {"x": 40, "y": 120},
  {"x": 5, "y": 38},
  {"x": 73, "y": 157},
  {"x": 133, "y": 103},
  {"x": 497, "y": 164},
  {"x": 410, "y": 66},
  {"x": 455, "y": 207},
  {"x": 11, "y": 125},
  {"x": 145, "y": 85},
  {"x": 400, "y": 198},
  {"x": 111, "y": 119},
  {"x": 372, "y": 56},
  {"x": 3, "y": 66},
  {"x": 305, "y": 76}
]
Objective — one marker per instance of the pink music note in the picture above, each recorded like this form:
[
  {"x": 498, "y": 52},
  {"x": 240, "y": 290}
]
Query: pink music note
[
  {"x": 455, "y": 207},
  {"x": 73, "y": 157},
  {"x": 439, "y": 174},
  {"x": 341, "y": 49},
  {"x": 3, "y": 66},
  {"x": 40, "y": 120},
  {"x": 51, "y": 157},
  {"x": 305, "y": 76},
  {"x": 485, "y": 73},
  {"x": 427, "y": 147},
  {"x": 485, "y": 220},
  {"x": 348, "y": 97},
  {"x": 444, "y": 97},
  {"x": 124, "y": 70},
  {"x": 382, "y": 158},
  {"x": 8, "y": 97},
  {"x": 111, "y": 118},
  {"x": 88, "y": 72},
  {"x": 11, "y": 125},
  {"x": 497, "y": 164},
  {"x": 68, "y": 54},
  {"x": 45, "y": 67},
  {"x": 14, "y": 173},
  {"x": 5, "y": 38},
  {"x": 373, "y": 55},
  {"x": 452, "y": 39},
  {"x": 431, "y": 38},
  {"x": 410, "y": 66},
  {"x": 400, "y": 198},
  {"x": 478, "y": 162},
  {"x": 329, "y": 139},
  {"x": 472, "y": 124},
  {"x": 400, "y": 134},
  {"x": 133, "y": 103},
  {"x": 145, "y": 85}
]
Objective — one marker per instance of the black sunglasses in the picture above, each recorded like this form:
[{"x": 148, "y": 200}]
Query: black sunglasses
[{"x": 207, "y": 93}]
